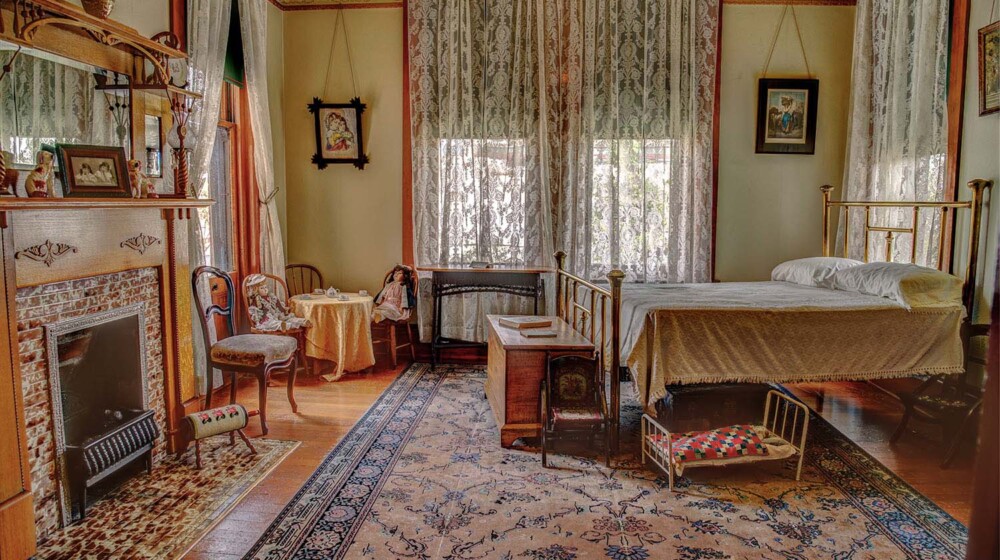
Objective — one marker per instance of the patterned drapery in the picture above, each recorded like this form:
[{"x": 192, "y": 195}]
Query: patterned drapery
[
  {"x": 584, "y": 125},
  {"x": 898, "y": 123}
]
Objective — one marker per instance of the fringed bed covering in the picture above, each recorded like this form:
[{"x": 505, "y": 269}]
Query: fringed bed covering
[{"x": 776, "y": 332}]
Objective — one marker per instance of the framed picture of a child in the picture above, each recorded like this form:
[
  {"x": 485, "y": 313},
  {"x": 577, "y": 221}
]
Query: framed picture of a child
[{"x": 339, "y": 137}]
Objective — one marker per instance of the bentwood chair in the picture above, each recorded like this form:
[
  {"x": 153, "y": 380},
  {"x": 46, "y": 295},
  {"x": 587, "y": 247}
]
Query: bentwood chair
[
  {"x": 385, "y": 332},
  {"x": 573, "y": 402},
  {"x": 256, "y": 354},
  {"x": 302, "y": 279},
  {"x": 278, "y": 291}
]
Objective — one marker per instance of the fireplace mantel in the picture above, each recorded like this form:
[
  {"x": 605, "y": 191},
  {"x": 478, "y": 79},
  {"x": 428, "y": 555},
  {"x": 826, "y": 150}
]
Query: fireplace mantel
[{"x": 44, "y": 242}]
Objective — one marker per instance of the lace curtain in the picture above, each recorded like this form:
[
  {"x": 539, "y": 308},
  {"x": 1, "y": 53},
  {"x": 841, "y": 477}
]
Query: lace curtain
[
  {"x": 47, "y": 102},
  {"x": 579, "y": 124},
  {"x": 253, "y": 29},
  {"x": 208, "y": 33},
  {"x": 898, "y": 121}
]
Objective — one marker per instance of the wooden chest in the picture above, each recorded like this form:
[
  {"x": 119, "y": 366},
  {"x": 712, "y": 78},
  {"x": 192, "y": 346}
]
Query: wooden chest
[{"x": 516, "y": 368}]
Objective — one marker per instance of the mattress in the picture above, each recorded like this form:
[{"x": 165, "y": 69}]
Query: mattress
[{"x": 776, "y": 332}]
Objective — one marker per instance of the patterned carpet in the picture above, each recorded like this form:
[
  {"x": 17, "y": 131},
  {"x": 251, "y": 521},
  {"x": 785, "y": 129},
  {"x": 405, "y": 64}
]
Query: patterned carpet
[
  {"x": 163, "y": 514},
  {"x": 422, "y": 475}
]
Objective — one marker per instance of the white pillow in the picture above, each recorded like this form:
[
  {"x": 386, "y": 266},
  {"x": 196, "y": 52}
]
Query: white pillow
[
  {"x": 909, "y": 284},
  {"x": 813, "y": 271}
]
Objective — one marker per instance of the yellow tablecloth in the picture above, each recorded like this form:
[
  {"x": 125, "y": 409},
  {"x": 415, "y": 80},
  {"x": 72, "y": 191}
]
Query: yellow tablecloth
[{"x": 340, "y": 330}]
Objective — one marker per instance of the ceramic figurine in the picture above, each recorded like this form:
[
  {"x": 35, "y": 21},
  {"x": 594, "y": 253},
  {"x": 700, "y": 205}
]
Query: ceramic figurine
[
  {"x": 142, "y": 186},
  {"x": 396, "y": 300},
  {"x": 40, "y": 182}
]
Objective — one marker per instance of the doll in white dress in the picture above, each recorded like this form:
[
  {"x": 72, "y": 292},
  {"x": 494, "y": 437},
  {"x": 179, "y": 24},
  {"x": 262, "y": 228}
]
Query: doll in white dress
[
  {"x": 268, "y": 313},
  {"x": 396, "y": 300}
]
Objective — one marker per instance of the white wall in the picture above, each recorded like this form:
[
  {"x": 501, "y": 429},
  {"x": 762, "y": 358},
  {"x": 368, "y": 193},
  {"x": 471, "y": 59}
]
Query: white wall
[
  {"x": 980, "y": 157},
  {"x": 148, "y": 17},
  {"x": 769, "y": 206},
  {"x": 344, "y": 220}
]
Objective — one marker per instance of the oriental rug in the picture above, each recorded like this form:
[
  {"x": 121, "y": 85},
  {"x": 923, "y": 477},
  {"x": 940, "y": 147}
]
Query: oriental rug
[
  {"x": 163, "y": 514},
  {"x": 422, "y": 475}
]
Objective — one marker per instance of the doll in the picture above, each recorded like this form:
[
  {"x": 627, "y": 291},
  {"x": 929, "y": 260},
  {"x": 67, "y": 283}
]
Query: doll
[
  {"x": 268, "y": 312},
  {"x": 396, "y": 300}
]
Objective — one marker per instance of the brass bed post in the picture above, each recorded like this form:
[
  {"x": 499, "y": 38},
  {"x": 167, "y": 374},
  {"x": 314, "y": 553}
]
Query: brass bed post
[
  {"x": 616, "y": 277},
  {"x": 827, "y": 189},
  {"x": 979, "y": 188},
  {"x": 560, "y": 267}
]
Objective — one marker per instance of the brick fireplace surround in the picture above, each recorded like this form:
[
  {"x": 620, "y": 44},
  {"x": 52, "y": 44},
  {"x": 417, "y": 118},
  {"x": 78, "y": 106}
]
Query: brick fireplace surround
[
  {"x": 65, "y": 259},
  {"x": 38, "y": 306}
]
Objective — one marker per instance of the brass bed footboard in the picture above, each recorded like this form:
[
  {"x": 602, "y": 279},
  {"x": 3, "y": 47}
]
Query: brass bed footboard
[{"x": 587, "y": 307}]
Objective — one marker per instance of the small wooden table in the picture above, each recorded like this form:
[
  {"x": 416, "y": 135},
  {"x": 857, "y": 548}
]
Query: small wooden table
[{"x": 515, "y": 371}]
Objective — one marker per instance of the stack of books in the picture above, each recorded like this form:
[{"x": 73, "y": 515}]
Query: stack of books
[{"x": 529, "y": 326}]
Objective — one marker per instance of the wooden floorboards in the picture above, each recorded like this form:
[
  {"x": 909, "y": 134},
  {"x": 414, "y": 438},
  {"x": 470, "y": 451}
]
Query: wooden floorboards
[{"x": 329, "y": 410}]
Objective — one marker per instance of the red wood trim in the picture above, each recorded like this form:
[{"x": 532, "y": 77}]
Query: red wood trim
[
  {"x": 407, "y": 146},
  {"x": 178, "y": 22},
  {"x": 957, "y": 58},
  {"x": 716, "y": 111},
  {"x": 344, "y": 6}
]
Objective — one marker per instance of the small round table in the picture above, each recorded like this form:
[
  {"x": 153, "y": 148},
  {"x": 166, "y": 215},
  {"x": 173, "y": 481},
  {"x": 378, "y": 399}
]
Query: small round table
[{"x": 340, "y": 330}]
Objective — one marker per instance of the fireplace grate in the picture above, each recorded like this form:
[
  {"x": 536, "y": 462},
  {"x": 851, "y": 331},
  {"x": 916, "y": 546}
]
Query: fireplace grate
[{"x": 101, "y": 456}]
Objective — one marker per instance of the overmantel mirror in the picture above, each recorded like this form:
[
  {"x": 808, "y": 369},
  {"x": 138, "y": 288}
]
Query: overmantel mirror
[{"x": 48, "y": 101}]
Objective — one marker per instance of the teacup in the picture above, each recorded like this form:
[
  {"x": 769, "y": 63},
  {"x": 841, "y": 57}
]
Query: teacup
[
  {"x": 363, "y": 293},
  {"x": 343, "y": 297},
  {"x": 318, "y": 291}
]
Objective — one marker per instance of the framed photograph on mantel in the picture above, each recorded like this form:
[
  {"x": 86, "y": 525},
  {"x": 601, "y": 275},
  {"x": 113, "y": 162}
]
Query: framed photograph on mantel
[
  {"x": 786, "y": 115},
  {"x": 989, "y": 69},
  {"x": 93, "y": 171},
  {"x": 338, "y": 133}
]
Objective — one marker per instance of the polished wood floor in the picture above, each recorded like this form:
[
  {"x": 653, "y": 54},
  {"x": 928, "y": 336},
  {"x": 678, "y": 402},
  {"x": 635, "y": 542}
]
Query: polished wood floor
[{"x": 329, "y": 410}]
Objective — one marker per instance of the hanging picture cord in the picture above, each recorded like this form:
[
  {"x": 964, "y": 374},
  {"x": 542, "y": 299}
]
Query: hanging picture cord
[
  {"x": 993, "y": 6},
  {"x": 777, "y": 33},
  {"x": 333, "y": 46}
]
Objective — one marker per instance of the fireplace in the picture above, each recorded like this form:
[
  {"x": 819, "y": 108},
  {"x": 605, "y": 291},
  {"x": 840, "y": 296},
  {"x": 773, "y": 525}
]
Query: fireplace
[{"x": 101, "y": 416}]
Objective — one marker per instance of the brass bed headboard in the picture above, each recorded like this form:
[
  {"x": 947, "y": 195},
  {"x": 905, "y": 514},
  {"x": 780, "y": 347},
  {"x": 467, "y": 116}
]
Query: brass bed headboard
[
  {"x": 580, "y": 302},
  {"x": 979, "y": 188}
]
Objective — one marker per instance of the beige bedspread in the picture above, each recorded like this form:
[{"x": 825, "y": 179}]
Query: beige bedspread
[{"x": 778, "y": 332}]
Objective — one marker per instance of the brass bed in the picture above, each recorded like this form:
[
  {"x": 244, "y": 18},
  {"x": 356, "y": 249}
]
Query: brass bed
[{"x": 595, "y": 310}]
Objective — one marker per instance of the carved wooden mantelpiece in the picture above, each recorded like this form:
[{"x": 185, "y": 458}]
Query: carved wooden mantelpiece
[
  {"x": 141, "y": 242},
  {"x": 45, "y": 253}
]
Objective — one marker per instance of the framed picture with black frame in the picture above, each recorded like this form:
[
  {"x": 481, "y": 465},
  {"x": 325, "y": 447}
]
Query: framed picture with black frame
[
  {"x": 339, "y": 137},
  {"x": 786, "y": 115}
]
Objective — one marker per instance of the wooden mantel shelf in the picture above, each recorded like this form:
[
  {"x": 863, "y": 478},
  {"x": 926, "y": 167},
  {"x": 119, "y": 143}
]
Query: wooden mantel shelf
[{"x": 15, "y": 204}]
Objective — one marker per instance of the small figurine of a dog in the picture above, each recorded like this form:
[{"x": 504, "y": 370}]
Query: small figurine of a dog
[{"x": 40, "y": 182}]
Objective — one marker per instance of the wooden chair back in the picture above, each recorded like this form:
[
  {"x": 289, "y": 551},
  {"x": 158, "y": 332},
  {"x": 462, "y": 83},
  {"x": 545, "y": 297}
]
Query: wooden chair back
[
  {"x": 574, "y": 381},
  {"x": 219, "y": 315},
  {"x": 277, "y": 287},
  {"x": 302, "y": 279}
]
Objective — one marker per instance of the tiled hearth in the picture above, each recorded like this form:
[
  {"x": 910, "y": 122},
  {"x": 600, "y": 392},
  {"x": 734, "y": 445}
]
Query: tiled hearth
[{"x": 38, "y": 306}]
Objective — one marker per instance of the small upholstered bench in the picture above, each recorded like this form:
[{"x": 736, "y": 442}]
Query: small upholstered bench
[
  {"x": 780, "y": 435},
  {"x": 231, "y": 419}
]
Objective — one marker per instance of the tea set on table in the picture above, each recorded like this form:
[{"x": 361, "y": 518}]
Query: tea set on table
[{"x": 332, "y": 293}]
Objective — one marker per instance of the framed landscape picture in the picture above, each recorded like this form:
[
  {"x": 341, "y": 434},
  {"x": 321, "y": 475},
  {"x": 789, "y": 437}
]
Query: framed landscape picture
[
  {"x": 339, "y": 137},
  {"x": 989, "y": 69},
  {"x": 93, "y": 171},
  {"x": 786, "y": 116}
]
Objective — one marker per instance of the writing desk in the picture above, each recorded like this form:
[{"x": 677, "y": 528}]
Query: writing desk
[{"x": 451, "y": 281}]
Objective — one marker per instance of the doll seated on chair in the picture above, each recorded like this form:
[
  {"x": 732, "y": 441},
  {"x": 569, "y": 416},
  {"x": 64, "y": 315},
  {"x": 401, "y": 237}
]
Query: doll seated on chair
[
  {"x": 268, "y": 312},
  {"x": 396, "y": 300}
]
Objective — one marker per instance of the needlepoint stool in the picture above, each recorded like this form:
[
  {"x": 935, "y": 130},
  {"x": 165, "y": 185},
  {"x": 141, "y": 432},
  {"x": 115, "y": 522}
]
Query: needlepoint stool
[{"x": 229, "y": 419}]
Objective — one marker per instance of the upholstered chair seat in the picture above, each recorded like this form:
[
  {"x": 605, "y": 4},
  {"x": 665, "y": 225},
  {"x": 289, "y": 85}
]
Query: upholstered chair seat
[
  {"x": 576, "y": 415},
  {"x": 253, "y": 349}
]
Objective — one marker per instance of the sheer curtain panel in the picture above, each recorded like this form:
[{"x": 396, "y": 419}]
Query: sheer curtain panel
[
  {"x": 583, "y": 125},
  {"x": 898, "y": 121}
]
